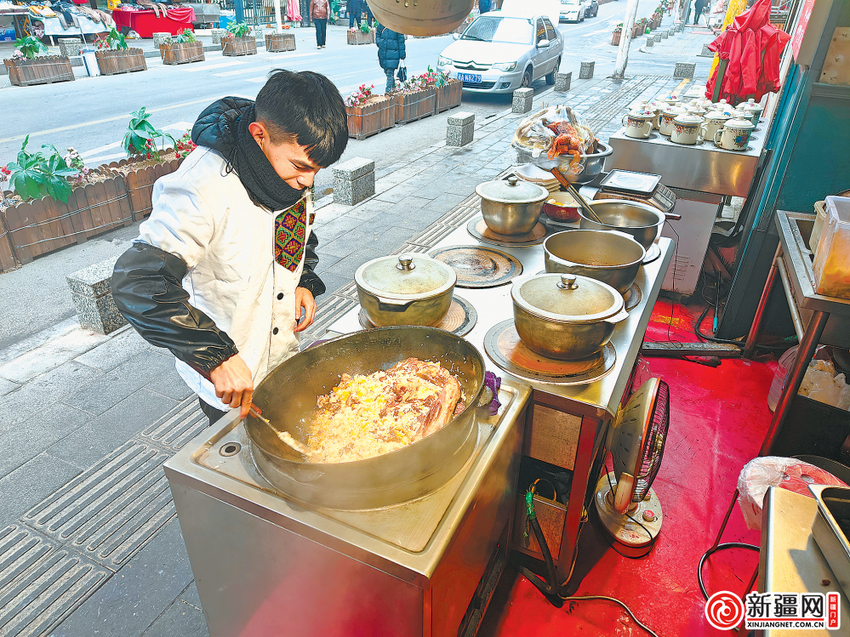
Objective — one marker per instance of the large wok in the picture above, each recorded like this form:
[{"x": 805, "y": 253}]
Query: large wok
[{"x": 289, "y": 394}]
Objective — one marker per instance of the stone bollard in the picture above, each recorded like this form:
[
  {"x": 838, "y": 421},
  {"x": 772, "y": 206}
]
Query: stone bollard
[
  {"x": 354, "y": 181},
  {"x": 563, "y": 81},
  {"x": 706, "y": 52},
  {"x": 656, "y": 39},
  {"x": 460, "y": 129},
  {"x": 684, "y": 70},
  {"x": 91, "y": 291},
  {"x": 216, "y": 36},
  {"x": 159, "y": 38},
  {"x": 664, "y": 35},
  {"x": 523, "y": 99},
  {"x": 586, "y": 70},
  {"x": 70, "y": 46},
  {"x": 649, "y": 42}
]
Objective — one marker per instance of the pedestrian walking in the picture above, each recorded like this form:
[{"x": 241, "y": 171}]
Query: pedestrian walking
[
  {"x": 319, "y": 12},
  {"x": 354, "y": 12},
  {"x": 699, "y": 7},
  {"x": 224, "y": 266},
  {"x": 390, "y": 52},
  {"x": 369, "y": 16},
  {"x": 484, "y": 6}
]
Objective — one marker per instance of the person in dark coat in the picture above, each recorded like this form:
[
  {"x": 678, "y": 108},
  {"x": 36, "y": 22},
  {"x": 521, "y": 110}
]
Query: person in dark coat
[
  {"x": 390, "y": 52},
  {"x": 699, "y": 7},
  {"x": 484, "y": 6},
  {"x": 369, "y": 16},
  {"x": 354, "y": 12}
]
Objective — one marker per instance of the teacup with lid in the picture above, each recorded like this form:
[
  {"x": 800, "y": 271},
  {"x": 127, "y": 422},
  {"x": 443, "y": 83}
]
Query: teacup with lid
[
  {"x": 639, "y": 123},
  {"x": 666, "y": 117},
  {"x": 735, "y": 134},
  {"x": 686, "y": 129}
]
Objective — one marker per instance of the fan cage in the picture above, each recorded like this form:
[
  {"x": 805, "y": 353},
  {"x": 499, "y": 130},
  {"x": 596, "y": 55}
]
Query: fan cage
[{"x": 652, "y": 450}]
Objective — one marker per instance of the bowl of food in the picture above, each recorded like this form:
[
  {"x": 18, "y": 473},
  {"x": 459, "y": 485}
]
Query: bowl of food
[{"x": 561, "y": 206}]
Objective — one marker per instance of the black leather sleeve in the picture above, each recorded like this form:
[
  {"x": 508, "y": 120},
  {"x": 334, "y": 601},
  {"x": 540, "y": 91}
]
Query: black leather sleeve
[
  {"x": 309, "y": 278},
  {"x": 146, "y": 287}
]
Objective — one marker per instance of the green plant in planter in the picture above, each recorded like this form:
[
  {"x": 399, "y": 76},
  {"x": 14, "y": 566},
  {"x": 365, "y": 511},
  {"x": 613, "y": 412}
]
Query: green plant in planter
[
  {"x": 112, "y": 41},
  {"x": 30, "y": 47},
  {"x": 42, "y": 173},
  {"x": 239, "y": 29},
  {"x": 141, "y": 136},
  {"x": 364, "y": 28},
  {"x": 183, "y": 36}
]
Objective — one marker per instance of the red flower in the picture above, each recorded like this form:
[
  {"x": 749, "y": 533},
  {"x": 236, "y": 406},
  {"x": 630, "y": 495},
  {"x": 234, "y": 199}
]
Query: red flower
[{"x": 149, "y": 156}]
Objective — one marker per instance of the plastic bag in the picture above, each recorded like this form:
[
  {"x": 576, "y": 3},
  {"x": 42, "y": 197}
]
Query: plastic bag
[
  {"x": 772, "y": 471},
  {"x": 820, "y": 383}
]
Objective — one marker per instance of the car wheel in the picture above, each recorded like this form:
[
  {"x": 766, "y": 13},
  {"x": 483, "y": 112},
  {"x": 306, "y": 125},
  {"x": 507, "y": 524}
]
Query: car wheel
[
  {"x": 550, "y": 78},
  {"x": 526, "y": 78}
]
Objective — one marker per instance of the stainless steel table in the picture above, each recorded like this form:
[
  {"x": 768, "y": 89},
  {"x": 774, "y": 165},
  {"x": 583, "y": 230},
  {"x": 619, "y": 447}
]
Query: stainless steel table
[{"x": 790, "y": 560}]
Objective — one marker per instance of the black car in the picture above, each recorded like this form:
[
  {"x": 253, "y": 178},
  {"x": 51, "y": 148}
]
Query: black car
[{"x": 591, "y": 8}]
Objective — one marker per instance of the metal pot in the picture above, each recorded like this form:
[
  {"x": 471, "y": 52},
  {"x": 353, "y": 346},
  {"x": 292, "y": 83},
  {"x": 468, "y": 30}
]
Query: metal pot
[
  {"x": 565, "y": 316},
  {"x": 409, "y": 289},
  {"x": 511, "y": 206},
  {"x": 640, "y": 220},
  {"x": 583, "y": 172},
  {"x": 289, "y": 393},
  {"x": 422, "y": 18},
  {"x": 608, "y": 256}
]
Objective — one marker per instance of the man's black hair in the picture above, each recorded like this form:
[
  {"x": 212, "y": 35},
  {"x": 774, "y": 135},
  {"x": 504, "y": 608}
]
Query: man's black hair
[{"x": 306, "y": 108}]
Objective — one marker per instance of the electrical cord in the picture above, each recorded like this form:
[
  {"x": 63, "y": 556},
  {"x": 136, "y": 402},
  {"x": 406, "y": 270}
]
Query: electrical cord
[{"x": 712, "y": 551}]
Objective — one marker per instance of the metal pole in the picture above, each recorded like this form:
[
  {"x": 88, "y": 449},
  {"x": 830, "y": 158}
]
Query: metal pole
[
  {"x": 625, "y": 40},
  {"x": 239, "y": 8},
  {"x": 765, "y": 294}
]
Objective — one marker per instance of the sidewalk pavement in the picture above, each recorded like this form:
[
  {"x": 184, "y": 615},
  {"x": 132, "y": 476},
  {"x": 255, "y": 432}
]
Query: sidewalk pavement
[{"x": 89, "y": 541}]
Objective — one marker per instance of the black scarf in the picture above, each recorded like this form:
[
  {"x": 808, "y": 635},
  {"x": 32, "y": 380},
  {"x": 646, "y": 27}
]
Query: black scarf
[{"x": 223, "y": 126}]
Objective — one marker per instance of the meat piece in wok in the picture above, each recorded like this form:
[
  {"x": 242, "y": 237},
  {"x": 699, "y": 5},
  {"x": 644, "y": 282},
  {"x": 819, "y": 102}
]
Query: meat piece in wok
[{"x": 369, "y": 415}]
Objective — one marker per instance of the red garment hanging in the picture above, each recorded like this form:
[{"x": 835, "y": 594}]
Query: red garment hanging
[{"x": 752, "y": 47}]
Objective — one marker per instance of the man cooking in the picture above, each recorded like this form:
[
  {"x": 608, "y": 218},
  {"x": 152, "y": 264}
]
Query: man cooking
[{"x": 222, "y": 273}]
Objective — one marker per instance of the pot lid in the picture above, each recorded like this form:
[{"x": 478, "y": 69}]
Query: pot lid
[
  {"x": 674, "y": 110},
  {"x": 406, "y": 276},
  {"x": 688, "y": 119},
  {"x": 751, "y": 106},
  {"x": 715, "y": 115},
  {"x": 567, "y": 298},
  {"x": 739, "y": 123},
  {"x": 511, "y": 190},
  {"x": 642, "y": 114}
]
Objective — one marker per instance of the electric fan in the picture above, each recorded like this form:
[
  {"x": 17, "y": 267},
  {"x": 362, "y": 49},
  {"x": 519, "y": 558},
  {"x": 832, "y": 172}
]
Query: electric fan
[{"x": 628, "y": 508}]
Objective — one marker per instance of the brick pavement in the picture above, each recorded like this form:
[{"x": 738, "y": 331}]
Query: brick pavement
[{"x": 89, "y": 543}]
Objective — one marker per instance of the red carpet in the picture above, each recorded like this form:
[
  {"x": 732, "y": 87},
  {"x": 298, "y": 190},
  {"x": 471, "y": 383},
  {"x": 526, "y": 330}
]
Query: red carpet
[{"x": 718, "y": 419}]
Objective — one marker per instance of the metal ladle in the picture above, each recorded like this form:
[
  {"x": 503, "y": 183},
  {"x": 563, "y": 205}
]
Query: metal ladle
[{"x": 582, "y": 202}]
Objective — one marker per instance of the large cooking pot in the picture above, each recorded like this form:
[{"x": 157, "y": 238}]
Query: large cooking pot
[
  {"x": 608, "y": 256},
  {"x": 289, "y": 393},
  {"x": 511, "y": 206},
  {"x": 640, "y": 220},
  {"x": 410, "y": 289},
  {"x": 580, "y": 172},
  {"x": 565, "y": 316},
  {"x": 421, "y": 17}
]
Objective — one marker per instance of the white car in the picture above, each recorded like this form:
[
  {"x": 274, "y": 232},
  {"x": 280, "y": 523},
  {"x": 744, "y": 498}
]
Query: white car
[
  {"x": 500, "y": 52},
  {"x": 572, "y": 10}
]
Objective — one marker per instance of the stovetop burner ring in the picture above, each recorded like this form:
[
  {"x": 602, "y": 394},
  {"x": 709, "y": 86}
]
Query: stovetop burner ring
[{"x": 479, "y": 266}]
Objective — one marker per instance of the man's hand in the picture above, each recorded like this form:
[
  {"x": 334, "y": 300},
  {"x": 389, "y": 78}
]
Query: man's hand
[
  {"x": 234, "y": 384},
  {"x": 304, "y": 299}
]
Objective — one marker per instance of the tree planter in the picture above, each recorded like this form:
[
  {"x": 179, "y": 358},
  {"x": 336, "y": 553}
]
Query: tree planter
[
  {"x": 45, "y": 225},
  {"x": 42, "y": 70},
  {"x": 115, "y": 62},
  {"x": 140, "y": 180},
  {"x": 377, "y": 115},
  {"x": 449, "y": 96},
  {"x": 177, "y": 53},
  {"x": 239, "y": 46},
  {"x": 278, "y": 42},
  {"x": 413, "y": 106},
  {"x": 615, "y": 38},
  {"x": 358, "y": 37}
]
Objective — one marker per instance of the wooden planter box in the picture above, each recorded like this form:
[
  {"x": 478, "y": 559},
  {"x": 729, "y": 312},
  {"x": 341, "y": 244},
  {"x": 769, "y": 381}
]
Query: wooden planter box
[
  {"x": 8, "y": 261},
  {"x": 182, "y": 53},
  {"x": 139, "y": 182},
  {"x": 373, "y": 117},
  {"x": 115, "y": 62},
  {"x": 278, "y": 42},
  {"x": 615, "y": 38},
  {"x": 239, "y": 46},
  {"x": 413, "y": 106},
  {"x": 44, "y": 225},
  {"x": 449, "y": 96},
  {"x": 358, "y": 37},
  {"x": 42, "y": 70}
]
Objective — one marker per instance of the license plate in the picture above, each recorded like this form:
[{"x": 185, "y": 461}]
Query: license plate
[{"x": 472, "y": 78}]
